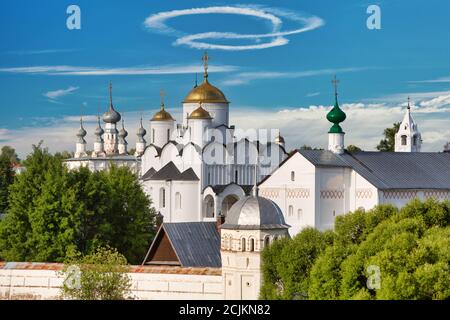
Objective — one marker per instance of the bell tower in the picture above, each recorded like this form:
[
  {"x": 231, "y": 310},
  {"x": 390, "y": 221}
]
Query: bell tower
[{"x": 408, "y": 137}]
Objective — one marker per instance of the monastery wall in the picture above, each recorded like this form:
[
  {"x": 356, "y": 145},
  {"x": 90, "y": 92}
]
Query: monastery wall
[{"x": 42, "y": 281}]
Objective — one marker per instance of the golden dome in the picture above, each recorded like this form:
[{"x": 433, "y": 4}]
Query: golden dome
[
  {"x": 205, "y": 92},
  {"x": 200, "y": 113},
  {"x": 162, "y": 115}
]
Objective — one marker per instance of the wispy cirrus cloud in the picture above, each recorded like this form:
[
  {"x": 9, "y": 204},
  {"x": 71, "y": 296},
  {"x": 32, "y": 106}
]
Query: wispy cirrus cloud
[
  {"x": 275, "y": 37},
  {"x": 43, "y": 51},
  {"x": 247, "y": 77},
  {"x": 56, "y": 94},
  {"x": 102, "y": 71},
  {"x": 437, "y": 80}
]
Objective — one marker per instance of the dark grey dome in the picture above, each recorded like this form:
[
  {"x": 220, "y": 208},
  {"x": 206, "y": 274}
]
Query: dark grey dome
[
  {"x": 99, "y": 130},
  {"x": 141, "y": 132},
  {"x": 255, "y": 213},
  {"x": 123, "y": 133},
  {"x": 81, "y": 132},
  {"x": 111, "y": 116}
]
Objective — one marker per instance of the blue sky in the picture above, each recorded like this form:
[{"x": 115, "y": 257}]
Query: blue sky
[{"x": 41, "y": 60}]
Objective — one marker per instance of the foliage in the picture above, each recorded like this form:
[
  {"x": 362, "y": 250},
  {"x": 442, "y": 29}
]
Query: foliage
[
  {"x": 100, "y": 275},
  {"x": 352, "y": 148},
  {"x": 54, "y": 212},
  {"x": 411, "y": 248},
  {"x": 6, "y": 179},
  {"x": 10, "y": 153},
  {"x": 388, "y": 143}
]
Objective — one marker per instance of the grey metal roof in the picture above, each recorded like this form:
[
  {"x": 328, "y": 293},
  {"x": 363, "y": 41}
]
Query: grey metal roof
[
  {"x": 168, "y": 172},
  {"x": 255, "y": 213},
  {"x": 197, "y": 244},
  {"x": 188, "y": 175},
  {"x": 402, "y": 170},
  {"x": 112, "y": 158},
  {"x": 150, "y": 172},
  {"x": 321, "y": 158}
]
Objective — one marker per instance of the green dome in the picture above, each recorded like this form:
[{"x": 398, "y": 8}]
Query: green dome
[{"x": 336, "y": 116}]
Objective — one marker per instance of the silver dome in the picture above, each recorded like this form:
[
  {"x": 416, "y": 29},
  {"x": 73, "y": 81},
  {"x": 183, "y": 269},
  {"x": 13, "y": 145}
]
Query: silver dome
[
  {"x": 255, "y": 213},
  {"x": 111, "y": 116}
]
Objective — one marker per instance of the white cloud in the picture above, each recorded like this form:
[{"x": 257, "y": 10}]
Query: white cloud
[
  {"x": 99, "y": 71},
  {"x": 247, "y": 77},
  {"x": 438, "y": 80},
  {"x": 302, "y": 125},
  {"x": 54, "y": 95},
  {"x": 43, "y": 51},
  {"x": 276, "y": 37}
]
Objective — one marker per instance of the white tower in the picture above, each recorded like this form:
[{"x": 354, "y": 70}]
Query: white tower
[
  {"x": 81, "y": 143},
  {"x": 98, "y": 143},
  {"x": 251, "y": 224},
  {"x": 408, "y": 137},
  {"x": 111, "y": 117},
  {"x": 336, "y": 116},
  {"x": 140, "y": 142},
  {"x": 122, "y": 146},
  {"x": 161, "y": 126},
  {"x": 213, "y": 100}
]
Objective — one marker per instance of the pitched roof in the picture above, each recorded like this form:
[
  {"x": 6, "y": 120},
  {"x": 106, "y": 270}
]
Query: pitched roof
[
  {"x": 390, "y": 170},
  {"x": 402, "y": 170},
  {"x": 150, "y": 172},
  {"x": 196, "y": 244},
  {"x": 188, "y": 175}
]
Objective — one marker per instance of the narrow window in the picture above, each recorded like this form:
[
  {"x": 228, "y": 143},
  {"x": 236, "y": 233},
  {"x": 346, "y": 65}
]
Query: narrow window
[
  {"x": 292, "y": 176},
  {"x": 299, "y": 214},
  {"x": 252, "y": 245},
  {"x": 168, "y": 134},
  {"x": 162, "y": 198},
  {"x": 403, "y": 140},
  {"x": 177, "y": 200},
  {"x": 291, "y": 211},
  {"x": 236, "y": 176},
  {"x": 153, "y": 135},
  {"x": 266, "y": 241},
  {"x": 243, "y": 244},
  {"x": 414, "y": 140}
]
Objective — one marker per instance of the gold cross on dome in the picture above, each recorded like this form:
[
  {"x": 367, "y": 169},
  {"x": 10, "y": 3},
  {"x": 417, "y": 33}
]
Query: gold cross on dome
[
  {"x": 205, "y": 60},
  {"x": 335, "y": 83},
  {"x": 409, "y": 103}
]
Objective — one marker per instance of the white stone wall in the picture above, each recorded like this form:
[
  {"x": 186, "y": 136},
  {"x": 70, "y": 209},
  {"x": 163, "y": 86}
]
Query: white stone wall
[{"x": 45, "y": 284}]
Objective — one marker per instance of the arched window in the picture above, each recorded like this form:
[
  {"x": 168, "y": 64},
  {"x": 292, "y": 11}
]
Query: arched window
[
  {"x": 292, "y": 175},
  {"x": 299, "y": 214},
  {"x": 291, "y": 211},
  {"x": 168, "y": 134},
  {"x": 177, "y": 200},
  {"x": 236, "y": 176},
  {"x": 162, "y": 198},
  {"x": 153, "y": 135},
  {"x": 266, "y": 241},
  {"x": 404, "y": 140},
  {"x": 243, "y": 244},
  {"x": 252, "y": 245}
]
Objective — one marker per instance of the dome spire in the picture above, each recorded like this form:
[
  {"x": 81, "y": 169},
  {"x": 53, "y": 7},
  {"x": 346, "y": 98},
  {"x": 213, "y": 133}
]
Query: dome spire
[
  {"x": 205, "y": 60},
  {"x": 336, "y": 115},
  {"x": 111, "y": 116},
  {"x": 110, "y": 96},
  {"x": 162, "y": 94}
]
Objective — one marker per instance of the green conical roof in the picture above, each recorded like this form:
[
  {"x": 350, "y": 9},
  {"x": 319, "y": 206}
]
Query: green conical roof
[{"x": 336, "y": 116}]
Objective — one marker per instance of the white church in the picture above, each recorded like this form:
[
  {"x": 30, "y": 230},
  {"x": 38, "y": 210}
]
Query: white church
[{"x": 224, "y": 195}]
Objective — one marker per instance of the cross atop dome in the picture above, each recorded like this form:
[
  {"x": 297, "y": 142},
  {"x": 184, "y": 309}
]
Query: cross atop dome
[
  {"x": 162, "y": 93},
  {"x": 335, "y": 83},
  {"x": 205, "y": 60}
]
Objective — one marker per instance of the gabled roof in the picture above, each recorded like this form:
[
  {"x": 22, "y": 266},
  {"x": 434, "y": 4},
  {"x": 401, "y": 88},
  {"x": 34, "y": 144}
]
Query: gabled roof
[
  {"x": 196, "y": 244},
  {"x": 402, "y": 170},
  {"x": 388, "y": 170},
  {"x": 150, "y": 172},
  {"x": 170, "y": 172}
]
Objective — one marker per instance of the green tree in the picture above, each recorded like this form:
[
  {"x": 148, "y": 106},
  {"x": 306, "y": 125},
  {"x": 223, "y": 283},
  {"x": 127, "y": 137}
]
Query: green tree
[
  {"x": 100, "y": 275},
  {"x": 6, "y": 179},
  {"x": 388, "y": 143},
  {"x": 54, "y": 212},
  {"x": 10, "y": 154},
  {"x": 352, "y": 148}
]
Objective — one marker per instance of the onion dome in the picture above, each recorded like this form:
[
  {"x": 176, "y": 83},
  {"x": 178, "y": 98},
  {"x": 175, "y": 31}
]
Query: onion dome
[
  {"x": 279, "y": 139},
  {"x": 205, "y": 92},
  {"x": 162, "y": 114},
  {"x": 99, "y": 131},
  {"x": 81, "y": 133},
  {"x": 141, "y": 132},
  {"x": 255, "y": 213},
  {"x": 123, "y": 133},
  {"x": 111, "y": 116},
  {"x": 336, "y": 115},
  {"x": 199, "y": 113}
]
